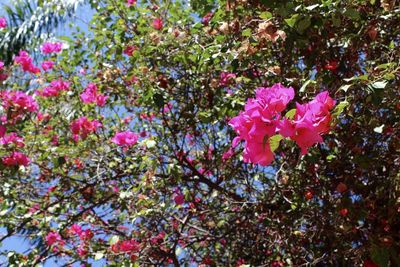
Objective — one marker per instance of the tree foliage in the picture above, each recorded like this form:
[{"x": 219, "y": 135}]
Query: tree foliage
[{"x": 170, "y": 189}]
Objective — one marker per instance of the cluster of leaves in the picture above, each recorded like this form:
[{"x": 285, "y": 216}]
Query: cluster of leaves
[{"x": 174, "y": 198}]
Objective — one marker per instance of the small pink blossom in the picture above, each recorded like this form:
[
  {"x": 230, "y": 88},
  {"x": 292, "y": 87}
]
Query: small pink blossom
[
  {"x": 227, "y": 78},
  {"x": 126, "y": 138},
  {"x": 18, "y": 101},
  {"x": 90, "y": 95},
  {"x": 157, "y": 24},
  {"x": 179, "y": 199},
  {"x": 16, "y": 158},
  {"x": 49, "y": 47},
  {"x": 130, "y": 246},
  {"x": 12, "y": 138},
  {"x": 227, "y": 155},
  {"x": 82, "y": 251},
  {"x": 206, "y": 19},
  {"x": 34, "y": 208},
  {"x": 25, "y": 61},
  {"x": 129, "y": 50},
  {"x": 3, "y": 131},
  {"x": 82, "y": 127},
  {"x": 3, "y": 22},
  {"x": 131, "y": 2},
  {"x": 75, "y": 229},
  {"x": 86, "y": 234},
  {"x": 47, "y": 65},
  {"x": 54, "y": 89},
  {"x": 53, "y": 238}
]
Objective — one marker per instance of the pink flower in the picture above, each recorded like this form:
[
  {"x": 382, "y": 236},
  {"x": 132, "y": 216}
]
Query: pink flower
[
  {"x": 258, "y": 153},
  {"x": 75, "y": 229},
  {"x": 206, "y": 19},
  {"x": 54, "y": 89},
  {"x": 227, "y": 78},
  {"x": 259, "y": 122},
  {"x": 129, "y": 50},
  {"x": 12, "y": 138},
  {"x": 55, "y": 140},
  {"x": 49, "y": 47},
  {"x": 157, "y": 24},
  {"x": 2, "y": 131},
  {"x": 311, "y": 120},
  {"x": 82, "y": 251},
  {"x": 83, "y": 126},
  {"x": 131, "y": 2},
  {"x": 3, "y": 22},
  {"x": 86, "y": 234},
  {"x": 18, "y": 101},
  {"x": 274, "y": 98},
  {"x": 47, "y": 65},
  {"x": 130, "y": 246},
  {"x": 90, "y": 95},
  {"x": 16, "y": 159},
  {"x": 227, "y": 155},
  {"x": 126, "y": 138},
  {"x": 179, "y": 199},
  {"x": 53, "y": 238},
  {"x": 25, "y": 61},
  {"x": 3, "y": 76},
  {"x": 1, "y": 65},
  {"x": 167, "y": 107},
  {"x": 101, "y": 100},
  {"x": 34, "y": 208},
  {"x": 157, "y": 239}
]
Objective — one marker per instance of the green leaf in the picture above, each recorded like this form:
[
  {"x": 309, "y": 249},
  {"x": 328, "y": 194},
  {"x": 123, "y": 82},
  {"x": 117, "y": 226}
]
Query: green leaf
[
  {"x": 380, "y": 256},
  {"x": 357, "y": 78},
  {"x": 292, "y": 20},
  {"x": 352, "y": 13},
  {"x": 246, "y": 33},
  {"x": 266, "y": 15},
  {"x": 274, "y": 142},
  {"x": 330, "y": 157},
  {"x": 340, "y": 107},
  {"x": 385, "y": 66},
  {"x": 290, "y": 114}
]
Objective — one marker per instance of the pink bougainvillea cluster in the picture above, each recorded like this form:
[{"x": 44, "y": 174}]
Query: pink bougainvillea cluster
[
  {"x": 130, "y": 247},
  {"x": 15, "y": 104},
  {"x": 49, "y": 47},
  {"x": 262, "y": 119},
  {"x": 125, "y": 138},
  {"x": 90, "y": 95},
  {"x": 84, "y": 126},
  {"x": 54, "y": 88},
  {"x": 26, "y": 62}
]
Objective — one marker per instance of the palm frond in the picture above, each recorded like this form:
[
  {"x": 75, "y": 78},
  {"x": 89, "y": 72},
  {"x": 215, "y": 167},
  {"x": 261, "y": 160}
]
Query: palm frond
[{"x": 28, "y": 20}]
